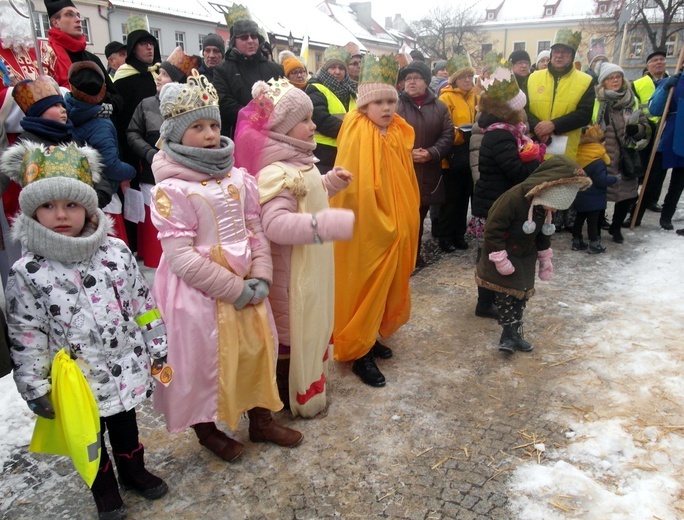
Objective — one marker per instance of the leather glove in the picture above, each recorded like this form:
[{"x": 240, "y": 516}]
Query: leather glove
[
  {"x": 245, "y": 297},
  {"x": 545, "y": 264},
  {"x": 672, "y": 81},
  {"x": 501, "y": 262},
  {"x": 261, "y": 289},
  {"x": 631, "y": 130},
  {"x": 42, "y": 406}
]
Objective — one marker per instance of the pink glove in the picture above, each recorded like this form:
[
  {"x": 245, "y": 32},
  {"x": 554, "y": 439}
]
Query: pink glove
[
  {"x": 545, "y": 264},
  {"x": 335, "y": 224},
  {"x": 502, "y": 263}
]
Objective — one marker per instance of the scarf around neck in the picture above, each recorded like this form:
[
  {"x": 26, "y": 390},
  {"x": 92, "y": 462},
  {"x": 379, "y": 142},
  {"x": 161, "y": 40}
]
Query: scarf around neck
[
  {"x": 62, "y": 44},
  {"x": 216, "y": 162},
  {"x": 342, "y": 90},
  {"x": 53, "y": 130},
  {"x": 280, "y": 147}
]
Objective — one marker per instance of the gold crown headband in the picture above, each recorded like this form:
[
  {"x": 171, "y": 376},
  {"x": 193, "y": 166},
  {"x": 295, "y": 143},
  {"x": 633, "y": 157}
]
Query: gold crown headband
[{"x": 197, "y": 93}]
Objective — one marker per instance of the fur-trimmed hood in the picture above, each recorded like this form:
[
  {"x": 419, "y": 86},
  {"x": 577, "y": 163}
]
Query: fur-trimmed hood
[{"x": 555, "y": 171}]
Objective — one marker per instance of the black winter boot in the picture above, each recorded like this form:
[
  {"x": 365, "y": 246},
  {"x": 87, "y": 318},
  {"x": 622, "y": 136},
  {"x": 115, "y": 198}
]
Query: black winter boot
[
  {"x": 520, "y": 343},
  {"x": 105, "y": 491},
  {"x": 595, "y": 247},
  {"x": 578, "y": 243},
  {"x": 507, "y": 342},
  {"x": 368, "y": 371},
  {"x": 485, "y": 307},
  {"x": 133, "y": 475},
  {"x": 283, "y": 380}
]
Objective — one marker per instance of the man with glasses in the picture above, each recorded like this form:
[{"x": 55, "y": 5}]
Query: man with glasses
[
  {"x": 245, "y": 64},
  {"x": 213, "y": 50},
  {"x": 561, "y": 98}
]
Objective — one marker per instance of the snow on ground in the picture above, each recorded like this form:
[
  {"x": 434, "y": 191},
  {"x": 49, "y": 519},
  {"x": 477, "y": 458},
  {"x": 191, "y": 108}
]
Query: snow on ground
[{"x": 625, "y": 427}]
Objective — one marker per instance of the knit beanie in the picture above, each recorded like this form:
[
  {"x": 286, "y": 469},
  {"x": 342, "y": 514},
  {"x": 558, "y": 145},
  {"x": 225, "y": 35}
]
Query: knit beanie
[
  {"x": 214, "y": 40},
  {"x": 419, "y": 67},
  {"x": 183, "y": 104},
  {"x": 35, "y": 96},
  {"x": 607, "y": 69},
  {"x": 290, "y": 64},
  {"x": 178, "y": 65},
  {"x": 61, "y": 172},
  {"x": 542, "y": 55},
  {"x": 439, "y": 65},
  {"x": 519, "y": 55},
  {"x": 87, "y": 82},
  {"x": 55, "y": 6},
  {"x": 290, "y": 104}
]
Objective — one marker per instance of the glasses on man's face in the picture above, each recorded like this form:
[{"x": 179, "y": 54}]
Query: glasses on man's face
[{"x": 245, "y": 37}]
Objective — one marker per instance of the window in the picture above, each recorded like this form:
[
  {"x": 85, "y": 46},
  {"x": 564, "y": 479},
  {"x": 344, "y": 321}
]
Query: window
[
  {"x": 519, "y": 46},
  {"x": 124, "y": 33},
  {"x": 157, "y": 34},
  {"x": 42, "y": 24},
  {"x": 671, "y": 45},
  {"x": 201, "y": 38},
  {"x": 548, "y": 11},
  {"x": 486, "y": 49},
  {"x": 636, "y": 47},
  {"x": 219, "y": 8},
  {"x": 180, "y": 40},
  {"x": 543, "y": 45},
  {"x": 490, "y": 15}
]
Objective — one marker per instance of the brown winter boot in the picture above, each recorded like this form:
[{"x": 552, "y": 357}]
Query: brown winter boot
[
  {"x": 105, "y": 491},
  {"x": 262, "y": 428},
  {"x": 133, "y": 475},
  {"x": 218, "y": 442},
  {"x": 283, "y": 380}
]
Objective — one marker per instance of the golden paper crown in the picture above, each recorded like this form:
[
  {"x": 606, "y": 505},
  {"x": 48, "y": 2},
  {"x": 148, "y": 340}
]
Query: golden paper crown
[
  {"x": 457, "y": 63},
  {"x": 333, "y": 52},
  {"x": 179, "y": 59},
  {"x": 501, "y": 86},
  {"x": 27, "y": 93},
  {"x": 236, "y": 12},
  {"x": 197, "y": 93},
  {"x": 568, "y": 38},
  {"x": 383, "y": 69},
  {"x": 279, "y": 87},
  {"x": 58, "y": 161},
  {"x": 136, "y": 22}
]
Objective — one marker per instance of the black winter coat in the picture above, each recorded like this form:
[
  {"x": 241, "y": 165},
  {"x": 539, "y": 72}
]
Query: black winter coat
[
  {"x": 435, "y": 133},
  {"x": 137, "y": 87},
  {"x": 234, "y": 79},
  {"x": 596, "y": 196},
  {"x": 500, "y": 166},
  {"x": 143, "y": 134}
]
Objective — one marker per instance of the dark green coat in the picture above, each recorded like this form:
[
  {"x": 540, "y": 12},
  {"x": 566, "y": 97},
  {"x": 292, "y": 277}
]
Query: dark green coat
[{"x": 504, "y": 228}]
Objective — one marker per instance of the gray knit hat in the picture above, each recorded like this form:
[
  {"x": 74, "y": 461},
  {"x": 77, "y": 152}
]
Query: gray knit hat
[
  {"x": 183, "y": 104},
  {"x": 61, "y": 172},
  {"x": 607, "y": 69}
]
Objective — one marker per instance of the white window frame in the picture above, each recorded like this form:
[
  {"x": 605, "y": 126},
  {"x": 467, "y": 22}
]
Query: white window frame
[
  {"x": 201, "y": 38},
  {"x": 157, "y": 34},
  {"x": 516, "y": 46},
  {"x": 548, "y": 11},
  {"x": 543, "y": 45},
  {"x": 180, "y": 40},
  {"x": 671, "y": 45},
  {"x": 633, "y": 41}
]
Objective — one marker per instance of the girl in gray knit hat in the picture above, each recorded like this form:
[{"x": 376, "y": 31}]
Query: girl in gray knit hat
[
  {"x": 213, "y": 279},
  {"x": 78, "y": 290}
]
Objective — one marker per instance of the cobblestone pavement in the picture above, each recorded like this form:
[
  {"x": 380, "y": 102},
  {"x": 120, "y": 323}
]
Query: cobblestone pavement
[{"x": 437, "y": 442}]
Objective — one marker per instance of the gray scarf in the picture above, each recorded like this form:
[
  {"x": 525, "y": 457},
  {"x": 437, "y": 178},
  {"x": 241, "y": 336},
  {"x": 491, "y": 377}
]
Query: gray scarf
[
  {"x": 39, "y": 240},
  {"x": 216, "y": 162}
]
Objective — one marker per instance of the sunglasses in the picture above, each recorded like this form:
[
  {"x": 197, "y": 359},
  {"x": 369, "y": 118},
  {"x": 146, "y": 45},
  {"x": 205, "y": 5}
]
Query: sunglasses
[{"x": 245, "y": 37}]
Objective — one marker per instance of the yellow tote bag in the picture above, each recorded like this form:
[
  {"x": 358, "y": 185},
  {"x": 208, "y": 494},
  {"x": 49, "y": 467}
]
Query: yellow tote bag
[{"x": 75, "y": 430}]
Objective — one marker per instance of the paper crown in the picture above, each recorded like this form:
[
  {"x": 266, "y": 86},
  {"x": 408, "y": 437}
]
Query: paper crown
[
  {"x": 568, "y": 38},
  {"x": 501, "y": 85},
  {"x": 383, "y": 69},
  {"x": 353, "y": 49},
  {"x": 196, "y": 93},
  {"x": 492, "y": 59},
  {"x": 457, "y": 63},
  {"x": 183, "y": 62},
  {"x": 136, "y": 22},
  {"x": 28, "y": 93},
  {"x": 66, "y": 161},
  {"x": 235, "y": 13},
  {"x": 279, "y": 87},
  {"x": 336, "y": 53}
]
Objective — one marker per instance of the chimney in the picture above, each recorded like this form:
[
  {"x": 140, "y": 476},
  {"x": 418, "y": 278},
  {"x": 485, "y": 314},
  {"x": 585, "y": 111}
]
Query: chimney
[
  {"x": 363, "y": 12},
  {"x": 388, "y": 22}
]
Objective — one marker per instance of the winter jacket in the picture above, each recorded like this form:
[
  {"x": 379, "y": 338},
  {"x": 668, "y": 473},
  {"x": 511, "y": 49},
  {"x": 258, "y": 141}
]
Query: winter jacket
[
  {"x": 500, "y": 166},
  {"x": 504, "y": 230},
  {"x": 474, "y": 145},
  {"x": 461, "y": 106},
  {"x": 613, "y": 116},
  {"x": 143, "y": 135},
  {"x": 99, "y": 132},
  {"x": 45, "y": 299},
  {"x": 673, "y": 149},
  {"x": 136, "y": 88},
  {"x": 435, "y": 133},
  {"x": 233, "y": 80},
  {"x": 594, "y": 198}
]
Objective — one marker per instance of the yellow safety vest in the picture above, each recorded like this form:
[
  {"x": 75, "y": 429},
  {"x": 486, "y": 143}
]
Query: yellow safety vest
[
  {"x": 644, "y": 88},
  {"x": 336, "y": 108},
  {"x": 549, "y": 101}
]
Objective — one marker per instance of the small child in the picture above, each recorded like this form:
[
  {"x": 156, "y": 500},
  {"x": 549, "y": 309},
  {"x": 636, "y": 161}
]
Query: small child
[
  {"x": 213, "y": 279},
  {"x": 589, "y": 204},
  {"x": 275, "y": 139},
  {"x": 517, "y": 234},
  {"x": 372, "y": 271},
  {"x": 77, "y": 289},
  {"x": 83, "y": 105}
]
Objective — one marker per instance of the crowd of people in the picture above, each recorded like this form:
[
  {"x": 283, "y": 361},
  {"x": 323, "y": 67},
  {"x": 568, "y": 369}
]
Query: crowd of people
[{"x": 284, "y": 213}]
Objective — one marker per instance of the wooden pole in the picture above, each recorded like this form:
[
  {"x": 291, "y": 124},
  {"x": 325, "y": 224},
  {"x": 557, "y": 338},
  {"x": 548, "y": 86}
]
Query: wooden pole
[{"x": 656, "y": 141}]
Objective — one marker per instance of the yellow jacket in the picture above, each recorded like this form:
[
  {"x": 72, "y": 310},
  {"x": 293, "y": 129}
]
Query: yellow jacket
[{"x": 461, "y": 106}]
